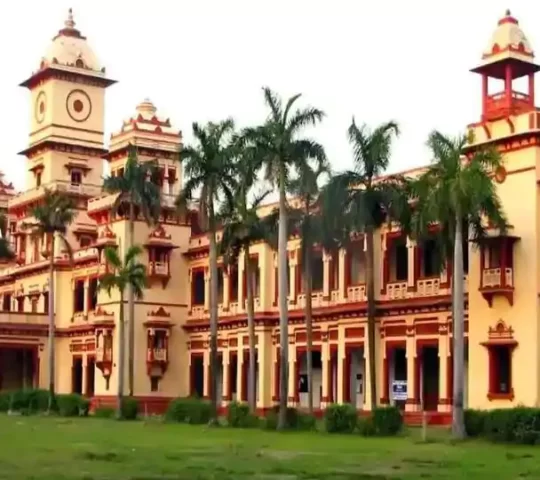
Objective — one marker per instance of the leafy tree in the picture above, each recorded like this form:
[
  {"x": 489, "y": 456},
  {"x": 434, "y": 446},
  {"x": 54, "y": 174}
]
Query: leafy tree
[
  {"x": 458, "y": 194},
  {"x": 209, "y": 167},
  {"x": 51, "y": 219},
  {"x": 361, "y": 200},
  {"x": 138, "y": 189},
  {"x": 123, "y": 274},
  {"x": 282, "y": 150},
  {"x": 242, "y": 226}
]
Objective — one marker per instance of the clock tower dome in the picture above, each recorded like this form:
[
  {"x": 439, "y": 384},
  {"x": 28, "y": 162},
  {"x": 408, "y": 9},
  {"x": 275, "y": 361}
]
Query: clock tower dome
[{"x": 67, "y": 116}]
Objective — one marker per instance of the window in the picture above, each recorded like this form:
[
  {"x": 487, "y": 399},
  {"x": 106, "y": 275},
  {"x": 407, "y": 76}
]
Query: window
[
  {"x": 85, "y": 241},
  {"x": 76, "y": 177},
  {"x": 154, "y": 384},
  {"x": 79, "y": 296},
  {"x": 357, "y": 264},
  {"x": 233, "y": 284},
  {"x": 431, "y": 262},
  {"x": 6, "y": 302},
  {"x": 20, "y": 304},
  {"x": 402, "y": 262},
  {"x": 317, "y": 271},
  {"x": 334, "y": 272},
  {"x": 45, "y": 302},
  {"x": 198, "y": 288},
  {"x": 38, "y": 179},
  {"x": 500, "y": 369},
  {"x": 220, "y": 284},
  {"x": 93, "y": 293},
  {"x": 34, "y": 304}
]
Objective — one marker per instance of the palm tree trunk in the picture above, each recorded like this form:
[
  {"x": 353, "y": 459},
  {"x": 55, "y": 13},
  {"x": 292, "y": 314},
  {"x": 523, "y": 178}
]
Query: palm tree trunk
[
  {"x": 370, "y": 278},
  {"x": 121, "y": 356},
  {"x": 213, "y": 317},
  {"x": 131, "y": 304},
  {"x": 309, "y": 326},
  {"x": 51, "y": 327},
  {"x": 458, "y": 425},
  {"x": 252, "y": 394},
  {"x": 283, "y": 293}
]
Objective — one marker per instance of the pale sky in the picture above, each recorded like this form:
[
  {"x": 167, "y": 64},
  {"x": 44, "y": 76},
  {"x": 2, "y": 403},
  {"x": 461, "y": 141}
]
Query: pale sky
[{"x": 406, "y": 60}]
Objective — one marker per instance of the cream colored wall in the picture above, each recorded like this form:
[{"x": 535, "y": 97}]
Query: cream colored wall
[{"x": 516, "y": 192}]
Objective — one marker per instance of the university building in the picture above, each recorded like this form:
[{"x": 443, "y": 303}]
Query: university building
[{"x": 66, "y": 152}]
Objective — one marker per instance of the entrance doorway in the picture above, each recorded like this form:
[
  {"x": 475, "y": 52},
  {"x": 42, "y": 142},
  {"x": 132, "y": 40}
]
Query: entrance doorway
[
  {"x": 77, "y": 375},
  {"x": 430, "y": 378},
  {"x": 303, "y": 387},
  {"x": 197, "y": 376},
  {"x": 90, "y": 376}
]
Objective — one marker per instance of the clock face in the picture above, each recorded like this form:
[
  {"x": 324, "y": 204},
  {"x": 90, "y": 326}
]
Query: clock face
[
  {"x": 40, "y": 107},
  {"x": 79, "y": 106}
]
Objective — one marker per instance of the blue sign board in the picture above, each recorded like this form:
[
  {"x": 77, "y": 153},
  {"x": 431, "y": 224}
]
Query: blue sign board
[{"x": 399, "y": 390}]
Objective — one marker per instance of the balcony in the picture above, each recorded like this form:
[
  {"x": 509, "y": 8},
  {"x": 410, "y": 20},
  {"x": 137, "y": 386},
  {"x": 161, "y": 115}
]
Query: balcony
[
  {"x": 25, "y": 319},
  {"x": 316, "y": 300},
  {"x": 157, "y": 355},
  {"x": 197, "y": 312},
  {"x": 56, "y": 186},
  {"x": 500, "y": 105},
  {"x": 497, "y": 281},
  {"x": 85, "y": 254},
  {"x": 356, "y": 293},
  {"x": 103, "y": 355},
  {"x": 159, "y": 269}
]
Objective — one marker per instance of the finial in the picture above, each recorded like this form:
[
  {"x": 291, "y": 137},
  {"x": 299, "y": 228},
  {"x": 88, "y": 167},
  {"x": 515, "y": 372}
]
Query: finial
[
  {"x": 70, "y": 23},
  {"x": 508, "y": 13}
]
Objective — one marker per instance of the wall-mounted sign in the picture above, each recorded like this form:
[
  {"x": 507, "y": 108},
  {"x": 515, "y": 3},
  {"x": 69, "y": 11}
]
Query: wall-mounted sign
[{"x": 399, "y": 390}]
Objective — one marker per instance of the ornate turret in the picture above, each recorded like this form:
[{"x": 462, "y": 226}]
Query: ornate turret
[{"x": 508, "y": 56}]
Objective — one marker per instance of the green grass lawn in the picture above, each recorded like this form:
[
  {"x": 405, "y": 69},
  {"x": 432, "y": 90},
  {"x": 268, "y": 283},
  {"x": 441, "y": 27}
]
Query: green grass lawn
[{"x": 55, "y": 448}]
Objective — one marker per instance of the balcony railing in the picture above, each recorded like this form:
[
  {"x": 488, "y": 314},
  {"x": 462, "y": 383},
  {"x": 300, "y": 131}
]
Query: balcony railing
[
  {"x": 499, "y": 104},
  {"x": 197, "y": 311},
  {"x": 157, "y": 355},
  {"x": 356, "y": 293},
  {"x": 427, "y": 287},
  {"x": 316, "y": 300},
  {"x": 103, "y": 354},
  {"x": 493, "y": 277},
  {"x": 159, "y": 268},
  {"x": 396, "y": 290},
  {"x": 85, "y": 254}
]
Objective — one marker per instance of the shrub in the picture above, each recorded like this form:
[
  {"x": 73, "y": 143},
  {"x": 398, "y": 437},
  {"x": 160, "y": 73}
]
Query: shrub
[
  {"x": 387, "y": 421},
  {"x": 69, "y": 405},
  {"x": 475, "y": 422},
  {"x": 513, "y": 425},
  {"x": 129, "y": 408},
  {"x": 188, "y": 410},
  {"x": 365, "y": 427},
  {"x": 31, "y": 400},
  {"x": 104, "y": 412},
  {"x": 84, "y": 407},
  {"x": 270, "y": 420},
  {"x": 340, "y": 418},
  {"x": 239, "y": 416},
  {"x": 5, "y": 400},
  {"x": 306, "y": 422}
]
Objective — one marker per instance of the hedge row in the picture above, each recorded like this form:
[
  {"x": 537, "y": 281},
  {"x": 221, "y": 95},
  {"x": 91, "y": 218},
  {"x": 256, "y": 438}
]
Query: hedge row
[
  {"x": 337, "y": 418},
  {"x": 31, "y": 401},
  {"x": 520, "y": 425}
]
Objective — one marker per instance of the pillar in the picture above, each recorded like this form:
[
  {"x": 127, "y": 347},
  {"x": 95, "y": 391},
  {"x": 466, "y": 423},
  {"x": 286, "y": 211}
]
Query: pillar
[
  {"x": 508, "y": 85},
  {"x": 341, "y": 271},
  {"x": 367, "y": 373},
  {"x": 411, "y": 405},
  {"x": 326, "y": 276},
  {"x": 293, "y": 378},
  {"x": 264, "y": 357},
  {"x": 206, "y": 289},
  {"x": 86, "y": 298},
  {"x": 326, "y": 372},
  {"x": 531, "y": 89},
  {"x": 225, "y": 388},
  {"x": 226, "y": 289},
  {"x": 276, "y": 368},
  {"x": 239, "y": 370},
  {"x": 411, "y": 260},
  {"x": 292, "y": 282},
  {"x": 445, "y": 361},
  {"x": 341, "y": 367},
  {"x": 485, "y": 93},
  {"x": 84, "y": 374}
]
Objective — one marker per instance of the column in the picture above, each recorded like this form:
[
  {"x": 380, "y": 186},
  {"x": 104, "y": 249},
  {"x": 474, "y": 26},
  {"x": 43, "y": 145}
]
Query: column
[
  {"x": 86, "y": 298},
  {"x": 445, "y": 359},
  {"x": 384, "y": 262},
  {"x": 242, "y": 295},
  {"x": 341, "y": 367},
  {"x": 276, "y": 367},
  {"x": 341, "y": 270},
  {"x": 226, "y": 289},
  {"x": 326, "y": 276},
  {"x": 531, "y": 89},
  {"x": 411, "y": 405},
  {"x": 264, "y": 356},
  {"x": 292, "y": 282},
  {"x": 411, "y": 257},
  {"x": 326, "y": 371},
  {"x": 84, "y": 374},
  {"x": 206, "y": 289},
  {"x": 293, "y": 380},
  {"x": 385, "y": 390},
  {"x": 225, "y": 388},
  {"x": 367, "y": 372},
  {"x": 239, "y": 370}
]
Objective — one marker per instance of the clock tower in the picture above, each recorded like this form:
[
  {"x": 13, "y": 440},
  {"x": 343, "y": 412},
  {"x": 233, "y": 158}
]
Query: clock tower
[{"x": 67, "y": 116}]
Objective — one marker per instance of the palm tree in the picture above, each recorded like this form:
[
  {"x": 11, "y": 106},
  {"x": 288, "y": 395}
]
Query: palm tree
[
  {"x": 282, "y": 150},
  {"x": 455, "y": 192},
  {"x": 124, "y": 274},
  {"x": 209, "y": 167},
  {"x": 51, "y": 219},
  {"x": 241, "y": 228},
  {"x": 138, "y": 189},
  {"x": 308, "y": 221},
  {"x": 6, "y": 252},
  {"x": 359, "y": 200}
]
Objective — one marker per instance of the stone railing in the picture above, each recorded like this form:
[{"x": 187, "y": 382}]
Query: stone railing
[
  {"x": 85, "y": 254},
  {"x": 159, "y": 268},
  {"x": 396, "y": 290},
  {"x": 427, "y": 287},
  {"x": 103, "y": 354},
  {"x": 157, "y": 354},
  {"x": 491, "y": 277},
  {"x": 356, "y": 293},
  {"x": 197, "y": 311}
]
